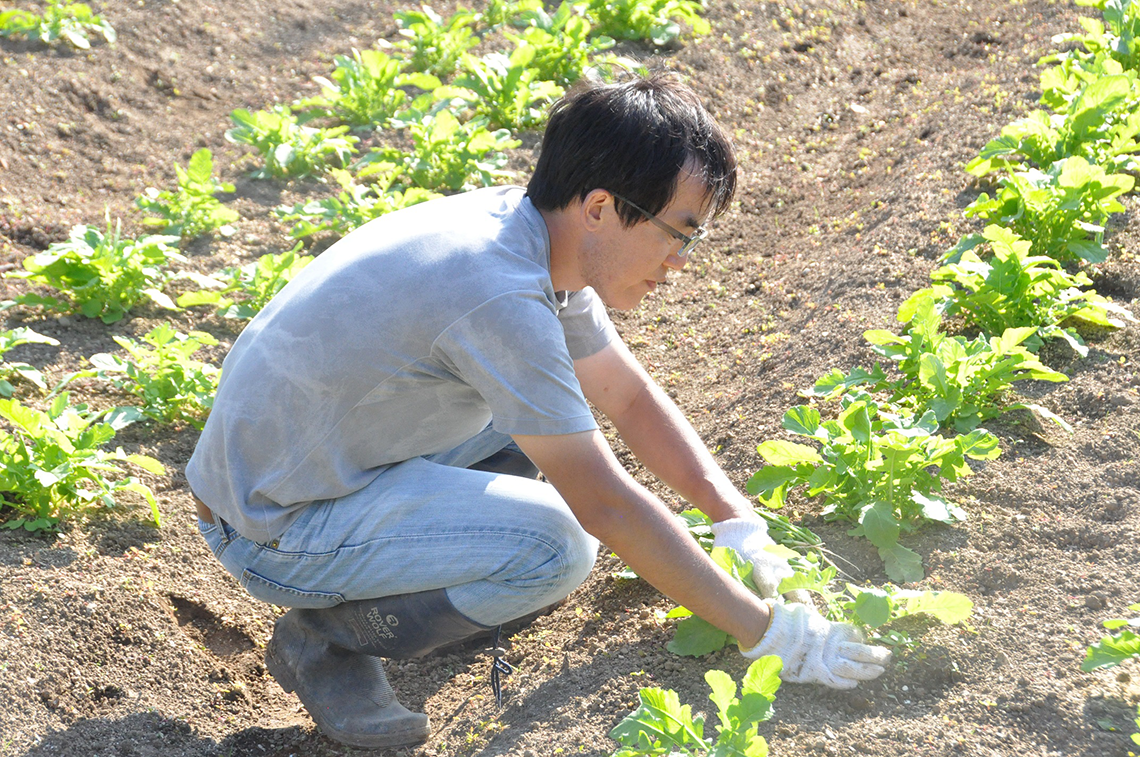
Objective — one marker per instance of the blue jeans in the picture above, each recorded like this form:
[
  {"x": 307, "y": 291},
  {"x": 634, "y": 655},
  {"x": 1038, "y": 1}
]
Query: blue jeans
[{"x": 502, "y": 546}]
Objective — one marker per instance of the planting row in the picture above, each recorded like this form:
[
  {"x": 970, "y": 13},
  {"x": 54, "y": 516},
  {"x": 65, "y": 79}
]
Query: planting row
[
  {"x": 899, "y": 433},
  {"x": 430, "y": 91}
]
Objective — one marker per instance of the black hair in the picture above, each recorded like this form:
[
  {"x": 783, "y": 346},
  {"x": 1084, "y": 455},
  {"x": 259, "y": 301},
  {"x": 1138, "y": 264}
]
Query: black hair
[{"x": 632, "y": 138}]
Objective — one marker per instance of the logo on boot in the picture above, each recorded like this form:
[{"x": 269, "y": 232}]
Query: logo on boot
[{"x": 380, "y": 628}]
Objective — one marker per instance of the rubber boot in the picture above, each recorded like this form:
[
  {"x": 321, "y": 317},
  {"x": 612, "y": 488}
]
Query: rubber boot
[
  {"x": 331, "y": 659},
  {"x": 346, "y": 692}
]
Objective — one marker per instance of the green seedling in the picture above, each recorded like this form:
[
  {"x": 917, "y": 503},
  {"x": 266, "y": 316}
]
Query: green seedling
[
  {"x": 963, "y": 382},
  {"x": 563, "y": 47},
  {"x": 1013, "y": 289},
  {"x": 1102, "y": 125},
  {"x": 52, "y": 465},
  {"x": 873, "y": 609},
  {"x": 661, "y": 725},
  {"x": 878, "y": 468},
  {"x": 354, "y": 206},
  {"x": 68, "y": 21},
  {"x": 1116, "y": 648},
  {"x": 433, "y": 45},
  {"x": 516, "y": 13},
  {"x": 162, "y": 372},
  {"x": 14, "y": 338},
  {"x": 366, "y": 89},
  {"x": 242, "y": 292},
  {"x": 1116, "y": 36},
  {"x": 289, "y": 147},
  {"x": 507, "y": 90},
  {"x": 658, "y": 21},
  {"x": 1058, "y": 209},
  {"x": 101, "y": 275},
  {"x": 447, "y": 154},
  {"x": 192, "y": 210}
]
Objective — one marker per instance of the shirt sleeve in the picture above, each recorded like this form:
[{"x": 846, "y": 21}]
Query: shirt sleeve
[
  {"x": 512, "y": 351},
  {"x": 587, "y": 326}
]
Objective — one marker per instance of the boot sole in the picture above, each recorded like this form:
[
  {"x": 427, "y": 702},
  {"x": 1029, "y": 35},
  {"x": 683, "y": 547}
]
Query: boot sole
[{"x": 413, "y": 733}]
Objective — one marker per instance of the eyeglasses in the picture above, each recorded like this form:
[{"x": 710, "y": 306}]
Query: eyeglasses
[{"x": 687, "y": 242}]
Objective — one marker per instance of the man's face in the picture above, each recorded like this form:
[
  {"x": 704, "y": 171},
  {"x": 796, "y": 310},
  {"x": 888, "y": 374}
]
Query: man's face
[{"x": 630, "y": 262}]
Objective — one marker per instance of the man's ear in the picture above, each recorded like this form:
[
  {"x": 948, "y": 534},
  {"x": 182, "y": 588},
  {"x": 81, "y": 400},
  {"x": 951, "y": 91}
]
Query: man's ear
[{"x": 593, "y": 211}]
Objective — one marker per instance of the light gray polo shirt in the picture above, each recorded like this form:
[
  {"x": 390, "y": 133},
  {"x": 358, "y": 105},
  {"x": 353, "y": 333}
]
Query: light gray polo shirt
[{"x": 405, "y": 338}]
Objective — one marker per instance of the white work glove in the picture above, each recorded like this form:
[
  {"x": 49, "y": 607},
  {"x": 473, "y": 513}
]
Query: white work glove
[
  {"x": 815, "y": 650},
  {"x": 749, "y": 537}
]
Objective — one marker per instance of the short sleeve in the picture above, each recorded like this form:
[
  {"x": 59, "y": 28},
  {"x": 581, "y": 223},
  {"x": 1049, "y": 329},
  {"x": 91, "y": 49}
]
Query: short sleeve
[
  {"x": 587, "y": 326},
  {"x": 513, "y": 352}
]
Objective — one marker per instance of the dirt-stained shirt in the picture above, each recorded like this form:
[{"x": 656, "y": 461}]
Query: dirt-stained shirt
[{"x": 405, "y": 338}]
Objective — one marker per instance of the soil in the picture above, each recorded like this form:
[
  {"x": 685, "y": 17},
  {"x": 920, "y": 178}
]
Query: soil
[{"x": 853, "y": 120}]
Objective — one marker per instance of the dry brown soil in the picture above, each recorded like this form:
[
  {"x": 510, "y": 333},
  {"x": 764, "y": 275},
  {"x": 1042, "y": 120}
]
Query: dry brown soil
[{"x": 853, "y": 120}]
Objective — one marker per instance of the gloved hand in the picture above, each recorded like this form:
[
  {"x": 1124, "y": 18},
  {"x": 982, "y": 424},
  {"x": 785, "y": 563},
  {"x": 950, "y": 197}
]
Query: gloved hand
[
  {"x": 749, "y": 536},
  {"x": 815, "y": 650}
]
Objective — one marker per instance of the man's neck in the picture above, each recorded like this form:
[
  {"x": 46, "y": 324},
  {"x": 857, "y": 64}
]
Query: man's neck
[{"x": 565, "y": 248}]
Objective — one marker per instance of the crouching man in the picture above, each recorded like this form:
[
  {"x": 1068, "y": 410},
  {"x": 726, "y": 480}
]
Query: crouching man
[{"x": 372, "y": 454}]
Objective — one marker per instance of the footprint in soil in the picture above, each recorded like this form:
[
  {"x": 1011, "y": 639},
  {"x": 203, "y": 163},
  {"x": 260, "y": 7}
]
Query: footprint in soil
[{"x": 204, "y": 626}]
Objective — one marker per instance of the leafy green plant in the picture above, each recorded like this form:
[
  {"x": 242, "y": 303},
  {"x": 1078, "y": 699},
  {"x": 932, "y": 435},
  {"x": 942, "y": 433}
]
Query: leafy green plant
[
  {"x": 192, "y": 210},
  {"x": 367, "y": 89},
  {"x": 164, "y": 375},
  {"x": 881, "y": 470},
  {"x": 354, "y": 206},
  {"x": 563, "y": 47},
  {"x": 434, "y": 45},
  {"x": 658, "y": 21},
  {"x": 661, "y": 725},
  {"x": 243, "y": 292},
  {"x": 14, "y": 338},
  {"x": 1015, "y": 289},
  {"x": 1117, "y": 36},
  {"x": 963, "y": 382},
  {"x": 446, "y": 153},
  {"x": 507, "y": 90},
  {"x": 519, "y": 13},
  {"x": 1101, "y": 125},
  {"x": 1059, "y": 208},
  {"x": 52, "y": 464},
  {"x": 875, "y": 609},
  {"x": 1112, "y": 650},
  {"x": 60, "y": 20},
  {"x": 290, "y": 148},
  {"x": 101, "y": 275}
]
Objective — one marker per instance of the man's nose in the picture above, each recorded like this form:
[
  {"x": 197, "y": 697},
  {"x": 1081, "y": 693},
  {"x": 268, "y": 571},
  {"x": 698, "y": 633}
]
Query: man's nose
[{"x": 675, "y": 262}]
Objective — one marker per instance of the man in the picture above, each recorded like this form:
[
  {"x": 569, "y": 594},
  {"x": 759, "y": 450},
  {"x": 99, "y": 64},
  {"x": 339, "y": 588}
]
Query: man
[{"x": 357, "y": 465}]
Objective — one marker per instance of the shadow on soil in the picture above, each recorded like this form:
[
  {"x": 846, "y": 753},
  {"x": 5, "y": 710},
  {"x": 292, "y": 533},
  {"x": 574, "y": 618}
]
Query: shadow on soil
[{"x": 153, "y": 734}]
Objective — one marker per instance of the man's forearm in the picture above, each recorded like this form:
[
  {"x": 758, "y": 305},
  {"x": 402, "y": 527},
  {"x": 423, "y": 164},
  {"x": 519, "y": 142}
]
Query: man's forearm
[
  {"x": 660, "y": 436},
  {"x": 636, "y": 525}
]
